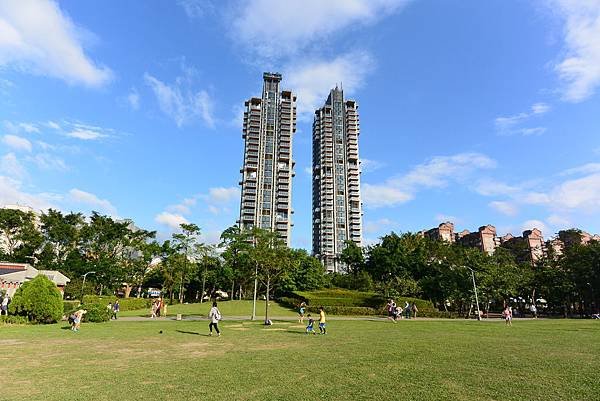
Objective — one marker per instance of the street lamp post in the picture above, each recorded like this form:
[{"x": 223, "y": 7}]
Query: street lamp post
[
  {"x": 83, "y": 284},
  {"x": 475, "y": 289}
]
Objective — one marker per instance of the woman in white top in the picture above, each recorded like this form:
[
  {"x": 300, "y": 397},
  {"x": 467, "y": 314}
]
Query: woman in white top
[{"x": 215, "y": 316}]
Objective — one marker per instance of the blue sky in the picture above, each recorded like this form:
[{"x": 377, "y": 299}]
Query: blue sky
[{"x": 474, "y": 112}]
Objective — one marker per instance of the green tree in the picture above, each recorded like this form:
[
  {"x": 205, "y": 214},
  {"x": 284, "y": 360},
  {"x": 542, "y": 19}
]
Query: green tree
[
  {"x": 39, "y": 300},
  {"x": 272, "y": 259},
  {"x": 21, "y": 238},
  {"x": 352, "y": 257},
  {"x": 188, "y": 244},
  {"x": 235, "y": 244}
]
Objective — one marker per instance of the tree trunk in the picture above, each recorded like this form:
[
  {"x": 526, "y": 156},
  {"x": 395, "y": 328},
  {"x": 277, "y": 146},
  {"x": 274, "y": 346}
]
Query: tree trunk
[
  {"x": 203, "y": 286},
  {"x": 139, "y": 291},
  {"x": 240, "y": 293},
  {"x": 127, "y": 291},
  {"x": 232, "y": 289},
  {"x": 181, "y": 290},
  {"x": 267, "y": 301}
]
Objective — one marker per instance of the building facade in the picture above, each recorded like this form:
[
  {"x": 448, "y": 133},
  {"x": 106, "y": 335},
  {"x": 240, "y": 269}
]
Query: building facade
[
  {"x": 269, "y": 124},
  {"x": 336, "y": 201},
  {"x": 13, "y": 275}
]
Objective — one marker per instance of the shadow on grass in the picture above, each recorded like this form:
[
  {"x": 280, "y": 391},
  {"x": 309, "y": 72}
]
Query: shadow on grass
[
  {"x": 191, "y": 332},
  {"x": 65, "y": 328}
]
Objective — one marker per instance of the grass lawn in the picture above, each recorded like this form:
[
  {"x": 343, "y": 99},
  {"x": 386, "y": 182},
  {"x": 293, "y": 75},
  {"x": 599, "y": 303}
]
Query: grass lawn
[
  {"x": 357, "y": 360},
  {"x": 227, "y": 308}
]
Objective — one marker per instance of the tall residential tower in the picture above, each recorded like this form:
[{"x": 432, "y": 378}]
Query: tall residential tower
[
  {"x": 337, "y": 208},
  {"x": 269, "y": 123}
]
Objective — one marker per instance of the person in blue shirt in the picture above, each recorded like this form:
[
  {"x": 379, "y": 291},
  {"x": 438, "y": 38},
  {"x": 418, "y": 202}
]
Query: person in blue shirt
[{"x": 311, "y": 325}]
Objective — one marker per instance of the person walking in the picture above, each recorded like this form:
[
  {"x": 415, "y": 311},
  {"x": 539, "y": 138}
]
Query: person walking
[
  {"x": 4, "y": 305},
  {"x": 116, "y": 309},
  {"x": 301, "y": 311},
  {"x": 215, "y": 316},
  {"x": 507, "y": 315},
  {"x": 311, "y": 325},
  {"x": 414, "y": 309},
  {"x": 154, "y": 307},
  {"x": 533, "y": 310},
  {"x": 407, "y": 309},
  {"x": 391, "y": 310},
  {"x": 322, "y": 321}
]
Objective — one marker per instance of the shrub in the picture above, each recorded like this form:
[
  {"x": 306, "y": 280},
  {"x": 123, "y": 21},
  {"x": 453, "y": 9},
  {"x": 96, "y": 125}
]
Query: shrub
[
  {"x": 337, "y": 301},
  {"x": 13, "y": 320},
  {"x": 39, "y": 300},
  {"x": 124, "y": 303},
  {"x": 96, "y": 313},
  {"x": 70, "y": 306}
]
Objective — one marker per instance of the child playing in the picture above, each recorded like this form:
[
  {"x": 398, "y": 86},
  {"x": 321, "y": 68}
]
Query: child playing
[
  {"x": 322, "y": 323},
  {"x": 310, "y": 328}
]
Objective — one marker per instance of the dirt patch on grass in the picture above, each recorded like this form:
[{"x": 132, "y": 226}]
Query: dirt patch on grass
[
  {"x": 265, "y": 347},
  {"x": 239, "y": 328}
]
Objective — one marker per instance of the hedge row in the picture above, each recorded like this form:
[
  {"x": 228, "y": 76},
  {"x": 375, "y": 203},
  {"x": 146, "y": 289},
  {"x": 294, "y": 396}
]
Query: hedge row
[
  {"x": 340, "y": 297},
  {"x": 124, "y": 303},
  {"x": 12, "y": 319},
  {"x": 69, "y": 306}
]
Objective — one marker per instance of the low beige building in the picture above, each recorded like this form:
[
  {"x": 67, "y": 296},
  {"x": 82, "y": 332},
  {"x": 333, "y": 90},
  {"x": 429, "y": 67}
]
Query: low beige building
[{"x": 13, "y": 275}]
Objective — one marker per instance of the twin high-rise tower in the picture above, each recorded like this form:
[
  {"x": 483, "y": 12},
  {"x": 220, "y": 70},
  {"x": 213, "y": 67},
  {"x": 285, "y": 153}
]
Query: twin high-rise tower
[{"x": 269, "y": 123}]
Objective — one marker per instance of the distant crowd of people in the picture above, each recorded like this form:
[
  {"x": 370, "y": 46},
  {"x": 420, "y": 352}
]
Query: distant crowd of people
[
  {"x": 113, "y": 309},
  {"x": 396, "y": 312},
  {"x": 158, "y": 308}
]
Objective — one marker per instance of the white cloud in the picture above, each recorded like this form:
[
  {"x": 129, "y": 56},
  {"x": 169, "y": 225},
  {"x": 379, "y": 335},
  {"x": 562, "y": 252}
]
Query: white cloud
[
  {"x": 375, "y": 226},
  {"x": 579, "y": 70},
  {"x": 312, "y": 80},
  {"x": 558, "y": 221},
  {"x": 180, "y": 102},
  {"x": 589, "y": 168},
  {"x": 53, "y": 125},
  {"x": 11, "y": 193},
  {"x": 133, "y": 98},
  {"x": 271, "y": 28},
  {"x": 506, "y": 208},
  {"x": 220, "y": 195},
  {"x": 171, "y": 220},
  {"x": 368, "y": 165},
  {"x": 512, "y": 125},
  {"x": 581, "y": 193},
  {"x": 46, "y": 161},
  {"x": 10, "y": 165},
  {"x": 531, "y": 224},
  {"x": 490, "y": 187},
  {"x": 88, "y": 198},
  {"x": 35, "y": 36},
  {"x": 183, "y": 207},
  {"x": 437, "y": 172},
  {"x": 16, "y": 142},
  {"x": 383, "y": 195},
  {"x": 531, "y": 131},
  {"x": 540, "y": 108},
  {"x": 442, "y": 218},
  {"x": 85, "y": 134},
  {"x": 196, "y": 8}
]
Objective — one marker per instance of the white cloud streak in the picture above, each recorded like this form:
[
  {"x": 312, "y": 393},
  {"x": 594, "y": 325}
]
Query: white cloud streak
[
  {"x": 93, "y": 201},
  {"x": 182, "y": 104},
  {"x": 312, "y": 80},
  {"x": 16, "y": 142},
  {"x": 579, "y": 69},
  {"x": 271, "y": 29},
  {"x": 437, "y": 172}
]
